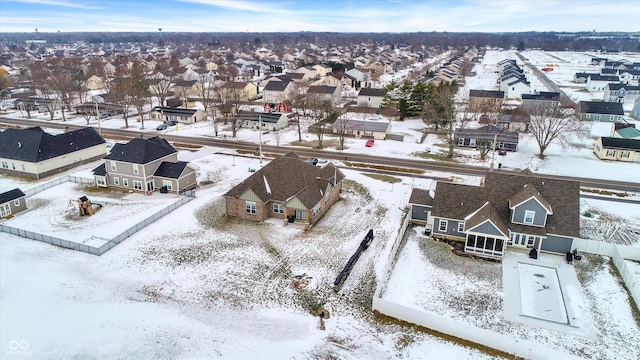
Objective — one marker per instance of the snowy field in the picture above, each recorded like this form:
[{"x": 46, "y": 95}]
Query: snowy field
[{"x": 198, "y": 285}]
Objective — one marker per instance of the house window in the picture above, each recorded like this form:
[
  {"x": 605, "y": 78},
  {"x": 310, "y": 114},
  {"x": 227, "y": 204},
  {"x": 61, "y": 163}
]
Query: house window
[
  {"x": 16, "y": 202},
  {"x": 100, "y": 181},
  {"x": 168, "y": 184},
  {"x": 13, "y": 166},
  {"x": 137, "y": 185},
  {"x": 113, "y": 166},
  {"x": 301, "y": 215},
  {"x": 116, "y": 181},
  {"x": 278, "y": 208},
  {"x": 611, "y": 153},
  {"x": 528, "y": 216},
  {"x": 472, "y": 142},
  {"x": 460, "y": 227},
  {"x": 125, "y": 182},
  {"x": 588, "y": 116},
  {"x": 625, "y": 154},
  {"x": 136, "y": 171},
  {"x": 5, "y": 164},
  {"x": 368, "y": 133},
  {"x": 442, "y": 226},
  {"x": 460, "y": 141},
  {"x": 596, "y": 117},
  {"x": 23, "y": 168},
  {"x": 250, "y": 207}
]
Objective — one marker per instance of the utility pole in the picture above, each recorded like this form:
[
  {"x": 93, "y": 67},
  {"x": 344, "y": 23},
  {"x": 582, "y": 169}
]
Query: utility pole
[
  {"x": 493, "y": 154},
  {"x": 260, "y": 137},
  {"x": 98, "y": 117}
]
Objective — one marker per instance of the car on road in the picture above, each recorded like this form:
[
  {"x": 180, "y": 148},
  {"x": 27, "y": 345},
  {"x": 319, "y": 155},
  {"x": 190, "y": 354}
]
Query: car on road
[
  {"x": 369, "y": 143},
  {"x": 161, "y": 127}
]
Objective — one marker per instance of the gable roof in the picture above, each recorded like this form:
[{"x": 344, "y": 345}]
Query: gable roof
[
  {"x": 276, "y": 86},
  {"x": 11, "y": 195},
  {"x": 628, "y": 132},
  {"x": 457, "y": 201},
  {"x": 265, "y": 117},
  {"x": 287, "y": 177},
  {"x": 376, "y": 126},
  {"x": 543, "y": 95},
  {"x": 600, "y": 107},
  {"x": 171, "y": 170},
  {"x": 141, "y": 151},
  {"x": 487, "y": 212},
  {"x": 321, "y": 89},
  {"x": 496, "y": 94},
  {"x": 420, "y": 197},
  {"x": 619, "y": 143},
  {"x": 487, "y": 132},
  {"x": 34, "y": 144},
  {"x": 529, "y": 191},
  {"x": 371, "y": 92}
]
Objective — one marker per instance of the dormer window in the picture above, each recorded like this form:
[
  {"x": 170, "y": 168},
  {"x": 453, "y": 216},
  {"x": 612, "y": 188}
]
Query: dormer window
[{"x": 529, "y": 216}]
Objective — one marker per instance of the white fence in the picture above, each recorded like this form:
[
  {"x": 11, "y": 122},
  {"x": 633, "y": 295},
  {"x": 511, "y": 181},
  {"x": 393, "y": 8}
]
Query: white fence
[
  {"x": 522, "y": 348},
  {"x": 110, "y": 243}
]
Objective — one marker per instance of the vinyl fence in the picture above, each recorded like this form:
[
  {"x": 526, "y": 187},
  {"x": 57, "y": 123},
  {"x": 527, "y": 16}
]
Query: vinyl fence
[
  {"x": 522, "y": 348},
  {"x": 80, "y": 246}
]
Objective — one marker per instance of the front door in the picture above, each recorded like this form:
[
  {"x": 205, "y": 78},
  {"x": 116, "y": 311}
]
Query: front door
[
  {"x": 150, "y": 186},
  {"x": 5, "y": 210}
]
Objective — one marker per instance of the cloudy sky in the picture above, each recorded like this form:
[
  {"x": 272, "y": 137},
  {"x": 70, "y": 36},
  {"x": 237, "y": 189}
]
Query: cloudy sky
[{"x": 319, "y": 15}]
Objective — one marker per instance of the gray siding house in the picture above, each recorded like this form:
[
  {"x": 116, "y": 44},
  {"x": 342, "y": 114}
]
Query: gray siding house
[
  {"x": 12, "y": 202},
  {"x": 420, "y": 204},
  {"x": 145, "y": 165},
  {"x": 520, "y": 210},
  {"x": 599, "y": 111},
  {"x": 484, "y": 137}
]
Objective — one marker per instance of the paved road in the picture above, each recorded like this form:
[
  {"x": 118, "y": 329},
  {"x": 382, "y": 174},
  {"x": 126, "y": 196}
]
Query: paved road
[
  {"x": 551, "y": 85},
  {"x": 334, "y": 155}
]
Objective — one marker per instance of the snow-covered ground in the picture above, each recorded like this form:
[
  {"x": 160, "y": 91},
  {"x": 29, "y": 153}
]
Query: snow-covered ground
[{"x": 197, "y": 285}]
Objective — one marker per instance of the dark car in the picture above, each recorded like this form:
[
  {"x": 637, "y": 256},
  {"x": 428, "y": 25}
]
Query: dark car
[
  {"x": 171, "y": 122},
  {"x": 502, "y": 152},
  {"x": 161, "y": 127}
]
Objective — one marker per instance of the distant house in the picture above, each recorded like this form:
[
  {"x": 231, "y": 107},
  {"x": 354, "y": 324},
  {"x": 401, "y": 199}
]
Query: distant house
[
  {"x": 244, "y": 91},
  {"x": 582, "y": 77},
  {"x": 276, "y": 91},
  {"x": 635, "y": 111},
  {"x": 509, "y": 210},
  {"x": 330, "y": 95},
  {"x": 145, "y": 165},
  {"x": 515, "y": 89},
  {"x": 532, "y": 103},
  {"x": 271, "y": 121},
  {"x": 619, "y": 149},
  {"x": 34, "y": 153},
  {"x": 485, "y": 136},
  {"x": 485, "y": 99},
  {"x": 370, "y": 97},
  {"x": 322, "y": 69},
  {"x": 188, "y": 88},
  {"x": 514, "y": 122},
  {"x": 596, "y": 83},
  {"x": 287, "y": 188},
  {"x": 621, "y": 93},
  {"x": 627, "y": 133},
  {"x": 630, "y": 77},
  {"x": 599, "y": 111},
  {"x": 181, "y": 115},
  {"x": 358, "y": 128},
  {"x": 94, "y": 82},
  {"x": 309, "y": 72},
  {"x": 12, "y": 202}
]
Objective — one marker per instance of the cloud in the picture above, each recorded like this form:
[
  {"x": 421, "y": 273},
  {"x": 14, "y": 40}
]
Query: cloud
[
  {"x": 240, "y": 5},
  {"x": 62, "y": 3}
]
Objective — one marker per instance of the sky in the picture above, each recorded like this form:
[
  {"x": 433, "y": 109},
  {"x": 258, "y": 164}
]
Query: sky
[{"x": 313, "y": 15}]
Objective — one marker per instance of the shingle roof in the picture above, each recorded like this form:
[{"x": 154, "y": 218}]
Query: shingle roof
[
  {"x": 174, "y": 110},
  {"x": 457, "y": 201},
  {"x": 486, "y": 212},
  {"x": 619, "y": 143},
  {"x": 420, "y": 197},
  {"x": 100, "y": 170},
  {"x": 527, "y": 192},
  {"x": 487, "y": 94},
  {"x": 600, "y": 107},
  {"x": 371, "y": 92},
  {"x": 543, "y": 95},
  {"x": 377, "y": 126},
  {"x": 276, "y": 86},
  {"x": 628, "y": 133},
  {"x": 598, "y": 77},
  {"x": 322, "y": 89},
  {"x": 171, "y": 170},
  {"x": 141, "y": 151},
  {"x": 286, "y": 177},
  {"x": 10, "y": 195},
  {"x": 265, "y": 117},
  {"x": 34, "y": 144},
  {"x": 487, "y": 132}
]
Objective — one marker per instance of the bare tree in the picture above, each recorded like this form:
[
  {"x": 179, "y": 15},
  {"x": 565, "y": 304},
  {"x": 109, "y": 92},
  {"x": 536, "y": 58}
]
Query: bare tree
[
  {"x": 323, "y": 113},
  {"x": 232, "y": 95},
  {"x": 65, "y": 79},
  {"x": 161, "y": 81},
  {"x": 301, "y": 103},
  {"x": 340, "y": 128},
  {"x": 551, "y": 123},
  {"x": 139, "y": 88},
  {"x": 440, "y": 109}
]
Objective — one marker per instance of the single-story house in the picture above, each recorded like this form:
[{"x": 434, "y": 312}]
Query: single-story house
[
  {"x": 181, "y": 115},
  {"x": 270, "y": 121},
  {"x": 599, "y": 111},
  {"x": 287, "y": 188},
  {"x": 619, "y": 149},
  {"x": 627, "y": 133},
  {"x": 34, "y": 153},
  {"x": 145, "y": 165},
  {"x": 508, "y": 210},
  {"x": 12, "y": 202},
  {"x": 484, "y": 137},
  {"x": 359, "y": 128}
]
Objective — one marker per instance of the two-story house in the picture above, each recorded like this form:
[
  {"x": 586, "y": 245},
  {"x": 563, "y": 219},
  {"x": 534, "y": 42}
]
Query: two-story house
[
  {"x": 621, "y": 93},
  {"x": 145, "y": 165},
  {"x": 485, "y": 100},
  {"x": 324, "y": 94},
  {"x": 370, "y": 97},
  {"x": 599, "y": 111},
  {"x": 521, "y": 210}
]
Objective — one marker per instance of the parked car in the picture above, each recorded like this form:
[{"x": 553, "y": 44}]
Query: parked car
[
  {"x": 369, "y": 143},
  {"x": 322, "y": 162},
  {"x": 171, "y": 122},
  {"x": 502, "y": 152},
  {"x": 312, "y": 161},
  {"x": 161, "y": 127}
]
